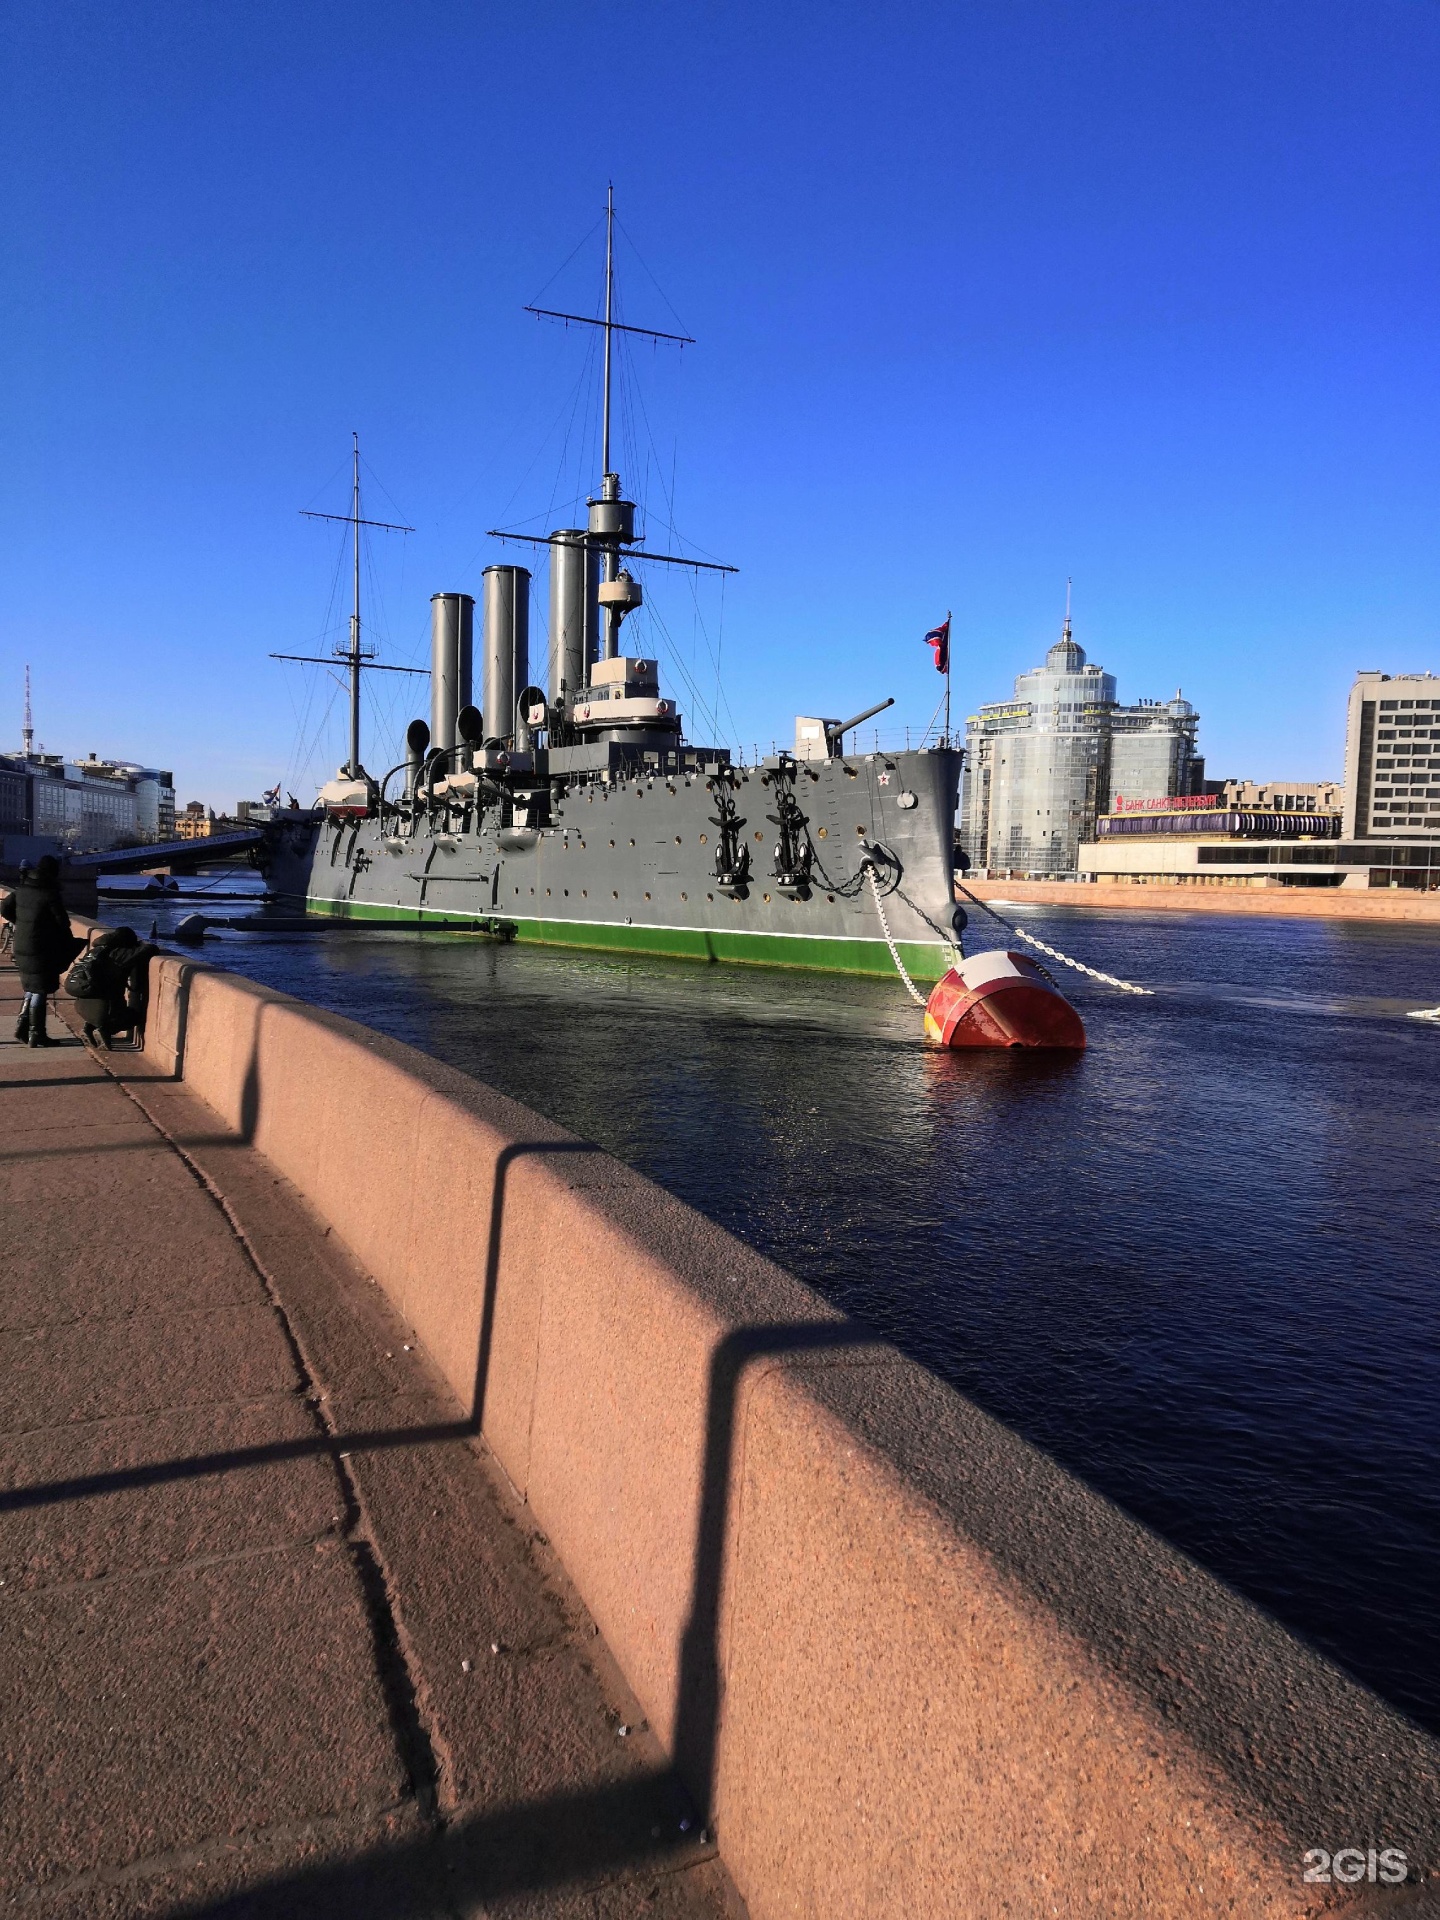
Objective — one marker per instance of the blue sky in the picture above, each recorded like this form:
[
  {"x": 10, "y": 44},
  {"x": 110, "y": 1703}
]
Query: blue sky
[{"x": 985, "y": 295}]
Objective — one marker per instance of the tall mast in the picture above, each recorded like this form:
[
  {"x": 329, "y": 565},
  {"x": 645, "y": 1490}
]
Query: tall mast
[
  {"x": 612, "y": 519},
  {"x": 354, "y": 767},
  {"x": 609, "y": 320},
  {"x": 354, "y": 658},
  {"x": 28, "y": 730}
]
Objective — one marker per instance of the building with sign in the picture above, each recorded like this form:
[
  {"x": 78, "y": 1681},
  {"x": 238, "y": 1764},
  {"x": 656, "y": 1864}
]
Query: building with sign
[
  {"x": 1041, "y": 768},
  {"x": 1380, "y": 829}
]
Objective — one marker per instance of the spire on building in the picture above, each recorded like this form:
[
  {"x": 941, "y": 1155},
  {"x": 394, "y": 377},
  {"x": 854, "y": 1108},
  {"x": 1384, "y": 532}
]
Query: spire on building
[
  {"x": 1067, "y": 655},
  {"x": 28, "y": 730}
]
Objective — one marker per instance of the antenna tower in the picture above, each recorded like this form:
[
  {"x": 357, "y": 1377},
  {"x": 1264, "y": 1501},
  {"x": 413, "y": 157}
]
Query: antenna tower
[{"x": 28, "y": 730}]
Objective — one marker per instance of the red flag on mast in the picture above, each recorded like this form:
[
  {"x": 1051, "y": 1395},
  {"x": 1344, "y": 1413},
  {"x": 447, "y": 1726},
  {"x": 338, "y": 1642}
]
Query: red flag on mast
[{"x": 939, "y": 639}]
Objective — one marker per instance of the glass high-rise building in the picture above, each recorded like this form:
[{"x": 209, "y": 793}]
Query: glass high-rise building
[{"x": 1041, "y": 767}]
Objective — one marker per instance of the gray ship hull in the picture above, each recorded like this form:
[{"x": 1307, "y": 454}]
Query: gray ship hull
[{"x": 634, "y": 862}]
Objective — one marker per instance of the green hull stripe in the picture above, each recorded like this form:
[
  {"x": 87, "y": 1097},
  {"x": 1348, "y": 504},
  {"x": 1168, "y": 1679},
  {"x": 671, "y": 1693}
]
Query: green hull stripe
[{"x": 819, "y": 952}]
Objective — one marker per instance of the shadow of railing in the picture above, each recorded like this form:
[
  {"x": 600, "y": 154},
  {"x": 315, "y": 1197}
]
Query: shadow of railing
[
  {"x": 591, "y": 1834},
  {"x": 62, "y": 1080},
  {"x": 698, "y": 1694},
  {"x": 160, "y": 1473},
  {"x": 505, "y": 1160}
]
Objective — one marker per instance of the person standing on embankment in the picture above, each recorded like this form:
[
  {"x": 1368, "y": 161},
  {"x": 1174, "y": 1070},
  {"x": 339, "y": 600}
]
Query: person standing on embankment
[{"x": 44, "y": 944}]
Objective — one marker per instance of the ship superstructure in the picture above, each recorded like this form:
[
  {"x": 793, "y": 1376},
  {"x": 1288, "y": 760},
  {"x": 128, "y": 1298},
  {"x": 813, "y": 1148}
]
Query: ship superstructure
[{"x": 578, "y": 814}]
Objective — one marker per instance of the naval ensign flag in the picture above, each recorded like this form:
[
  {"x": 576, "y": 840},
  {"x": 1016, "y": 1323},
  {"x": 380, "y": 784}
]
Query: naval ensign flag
[{"x": 939, "y": 639}]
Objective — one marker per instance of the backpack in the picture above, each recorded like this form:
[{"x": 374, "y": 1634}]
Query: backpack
[{"x": 82, "y": 981}]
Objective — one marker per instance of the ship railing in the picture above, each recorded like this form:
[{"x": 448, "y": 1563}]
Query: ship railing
[{"x": 859, "y": 743}]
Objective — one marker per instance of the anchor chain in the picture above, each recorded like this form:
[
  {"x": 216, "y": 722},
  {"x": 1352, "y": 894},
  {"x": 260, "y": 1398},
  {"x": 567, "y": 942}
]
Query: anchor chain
[
  {"x": 1109, "y": 979},
  {"x": 910, "y": 986}
]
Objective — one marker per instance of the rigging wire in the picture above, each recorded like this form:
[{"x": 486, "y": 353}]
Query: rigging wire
[
  {"x": 568, "y": 258},
  {"x": 650, "y": 276}
]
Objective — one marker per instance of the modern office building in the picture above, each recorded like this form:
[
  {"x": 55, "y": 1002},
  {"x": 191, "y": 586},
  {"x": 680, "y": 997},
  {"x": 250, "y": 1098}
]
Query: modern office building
[
  {"x": 1381, "y": 829},
  {"x": 85, "y": 805},
  {"x": 1392, "y": 758},
  {"x": 1041, "y": 768}
]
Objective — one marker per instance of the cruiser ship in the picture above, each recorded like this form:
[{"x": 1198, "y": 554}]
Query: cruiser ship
[{"x": 577, "y": 813}]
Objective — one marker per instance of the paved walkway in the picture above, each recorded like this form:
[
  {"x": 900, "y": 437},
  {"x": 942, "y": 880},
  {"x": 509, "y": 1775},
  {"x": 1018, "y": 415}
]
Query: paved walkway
[{"x": 275, "y": 1637}]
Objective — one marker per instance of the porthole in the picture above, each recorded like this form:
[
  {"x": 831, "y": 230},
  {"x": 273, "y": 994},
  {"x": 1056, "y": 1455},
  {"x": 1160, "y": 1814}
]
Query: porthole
[
  {"x": 567, "y": 893},
  {"x": 684, "y": 896},
  {"x": 766, "y": 898},
  {"x": 823, "y": 832},
  {"x": 704, "y": 839},
  {"x": 547, "y": 893},
  {"x": 647, "y": 896},
  {"x": 831, "y": 898},
  {"x": 760, "y": 836},
  {"x": 613, "y": 894},
  {"x": 860, "y": 829},
  {"x": 632, "y": 843},
  {"x": 677, "y": 839},
  {"x": 584, "y": 893},
  {"x": 709, "y": 896},
  {"x": 612, "y": 843}
]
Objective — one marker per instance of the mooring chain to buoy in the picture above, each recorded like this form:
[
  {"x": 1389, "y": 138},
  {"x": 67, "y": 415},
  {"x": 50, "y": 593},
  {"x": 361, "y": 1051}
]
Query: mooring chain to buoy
[
  {"x": 910, "y": 986},
  {"x": 1125, "y": 986}
]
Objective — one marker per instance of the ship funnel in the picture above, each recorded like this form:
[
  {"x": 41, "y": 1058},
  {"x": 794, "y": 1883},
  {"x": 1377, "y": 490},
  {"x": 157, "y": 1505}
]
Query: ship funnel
[
  {"x": 574, "y": 576},
  {"x": 417, "y": 743},
  {"x": 452, "y": 628},
  {"x": 506, "y": 642}
]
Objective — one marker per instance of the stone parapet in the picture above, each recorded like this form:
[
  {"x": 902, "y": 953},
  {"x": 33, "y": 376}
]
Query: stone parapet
[{"x": 907, "y": 1665}]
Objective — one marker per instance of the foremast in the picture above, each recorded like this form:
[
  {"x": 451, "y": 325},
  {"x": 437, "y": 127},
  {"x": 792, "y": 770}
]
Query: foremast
[{"x": 351, "y": 787}]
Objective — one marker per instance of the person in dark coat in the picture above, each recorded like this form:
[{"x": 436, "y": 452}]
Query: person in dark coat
[
  {"x": 115, "y": 995},
  {"x": 44, "y": 944}
]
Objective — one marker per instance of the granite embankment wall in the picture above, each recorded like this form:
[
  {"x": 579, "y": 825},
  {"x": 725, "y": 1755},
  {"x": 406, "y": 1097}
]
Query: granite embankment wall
[
  {"x": 908, "y": 1665},
  {"x": 1306, "y": 903}
]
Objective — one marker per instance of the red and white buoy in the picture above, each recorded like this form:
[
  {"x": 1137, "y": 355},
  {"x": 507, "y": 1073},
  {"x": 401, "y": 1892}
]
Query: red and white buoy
[{"x": 1001, "y": 1000}]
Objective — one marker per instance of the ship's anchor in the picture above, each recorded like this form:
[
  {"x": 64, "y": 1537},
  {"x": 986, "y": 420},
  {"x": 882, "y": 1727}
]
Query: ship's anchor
[
  {"x": 793, "y": 851},
  {"x": 732, "y": 856}
]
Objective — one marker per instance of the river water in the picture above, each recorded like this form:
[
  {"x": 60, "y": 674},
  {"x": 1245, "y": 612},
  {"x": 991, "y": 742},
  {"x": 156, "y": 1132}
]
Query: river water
[{"x": 1197, "y": 1264}]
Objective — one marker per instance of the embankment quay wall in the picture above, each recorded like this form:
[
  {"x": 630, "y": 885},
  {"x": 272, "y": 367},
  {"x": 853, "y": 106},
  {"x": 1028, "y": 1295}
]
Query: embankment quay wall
[
  {"x": 1310, "y": 903},
  {"x": 906, "y": 1664}
]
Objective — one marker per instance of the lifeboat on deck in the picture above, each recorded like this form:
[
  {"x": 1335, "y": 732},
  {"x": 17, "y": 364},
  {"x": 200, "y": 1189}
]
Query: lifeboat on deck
[{"x": 1001, "y": 1000}]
